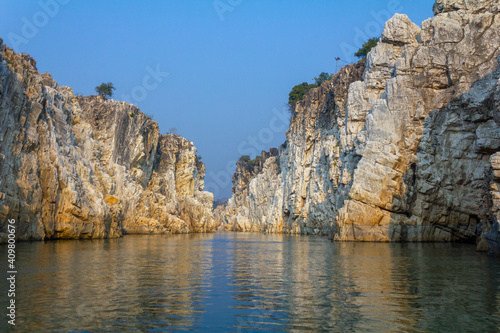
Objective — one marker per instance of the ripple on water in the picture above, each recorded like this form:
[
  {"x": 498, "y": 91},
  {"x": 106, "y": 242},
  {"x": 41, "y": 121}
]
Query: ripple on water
[{"x": 253, "y": 282}]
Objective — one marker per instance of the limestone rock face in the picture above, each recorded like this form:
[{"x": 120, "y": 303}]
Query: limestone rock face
[
  {"x": 400, "y": 30},
  {"x": 291, "y": 190},
  {"x": 234, "y": 214},
  {"x": 402, "y": 151},
  {"x": 86, "y": 167},
  {"x": 475, "y": 6}
]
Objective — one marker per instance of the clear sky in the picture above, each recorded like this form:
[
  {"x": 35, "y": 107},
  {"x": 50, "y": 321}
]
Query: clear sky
[{"x": 218, "y": 71}]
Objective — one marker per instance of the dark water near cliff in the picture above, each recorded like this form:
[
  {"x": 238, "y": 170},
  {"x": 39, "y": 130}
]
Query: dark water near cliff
[{"x": 242, "y": 282}]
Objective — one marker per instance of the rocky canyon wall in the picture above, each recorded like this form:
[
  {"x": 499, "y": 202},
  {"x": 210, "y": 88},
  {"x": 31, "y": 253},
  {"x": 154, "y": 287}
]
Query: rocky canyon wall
[
  {"x": 86, "y": 167},
  {"x": 402, "y": 150}
]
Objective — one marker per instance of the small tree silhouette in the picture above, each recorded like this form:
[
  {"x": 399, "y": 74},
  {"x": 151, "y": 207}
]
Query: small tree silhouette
[
  {"x": 321, "y": 78},
  {"x": 105, "y": 89},
  {"x": 173, "y": 131}
]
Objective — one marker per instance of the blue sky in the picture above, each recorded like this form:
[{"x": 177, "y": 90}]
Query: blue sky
[{"x": 218, "y": 71}]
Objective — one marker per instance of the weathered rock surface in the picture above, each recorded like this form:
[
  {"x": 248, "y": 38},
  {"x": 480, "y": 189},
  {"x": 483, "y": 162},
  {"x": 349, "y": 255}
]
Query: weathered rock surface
[
  {"x": 407, "y": 153},
  {"x": 86, "y": 167},
  {"x": 234, "y": 214},
  {"x": 279, "y": 195}
]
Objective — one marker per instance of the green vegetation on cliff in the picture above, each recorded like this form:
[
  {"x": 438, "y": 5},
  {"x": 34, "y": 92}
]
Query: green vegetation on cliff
[
  {"x": 301, "y": 89},
  {"x": 248, "y": 160},
  {"x": 105, "y": 89},
  {"x": 365, "y": 48}
]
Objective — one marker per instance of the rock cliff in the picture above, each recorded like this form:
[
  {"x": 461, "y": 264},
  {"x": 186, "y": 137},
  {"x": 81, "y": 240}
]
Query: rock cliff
[
  {"x": 86, "y": 167},
  {"x": 234, "y": 214},
  {"x": 402, "y": 150}
]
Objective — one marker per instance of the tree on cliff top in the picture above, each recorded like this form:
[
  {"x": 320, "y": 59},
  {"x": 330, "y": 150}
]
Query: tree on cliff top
[
  {"x": 244, "y": 158},
  {"x": 298, "y": 92},
  {"x": 365, "y": 48},
  {"x": 105, "y": 89},
  {"x": 248, "y": 160},
  {"x": 321, "y": 78}
]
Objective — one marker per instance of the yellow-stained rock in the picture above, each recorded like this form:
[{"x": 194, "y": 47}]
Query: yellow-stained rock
[{"x": 111, "y": 199}]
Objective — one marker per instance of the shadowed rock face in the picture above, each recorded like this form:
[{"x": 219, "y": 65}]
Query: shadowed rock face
[
  {"x": 86, "y": 167},
  {"x": 403, "y": 154}
]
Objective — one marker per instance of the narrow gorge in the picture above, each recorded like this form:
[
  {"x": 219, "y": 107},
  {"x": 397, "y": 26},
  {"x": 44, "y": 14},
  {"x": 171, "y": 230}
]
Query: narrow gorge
[
  {"x": 373, "y": 206},
  {"x": 406, "y": 148}
]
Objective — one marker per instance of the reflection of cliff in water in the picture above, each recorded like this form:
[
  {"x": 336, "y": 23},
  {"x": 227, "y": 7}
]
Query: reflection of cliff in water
[
  {"x": 130, "y": 280},
  {"x": 292, "y": 282},
  {"x": 307, "y": 284},
  {"x": 251, "y": 281}
]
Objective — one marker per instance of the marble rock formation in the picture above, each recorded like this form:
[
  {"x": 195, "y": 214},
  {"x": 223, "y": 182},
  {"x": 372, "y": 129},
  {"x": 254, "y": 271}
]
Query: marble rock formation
[
  {"x": 405, "y": 149},
  {"x": 87, "y": 167}
]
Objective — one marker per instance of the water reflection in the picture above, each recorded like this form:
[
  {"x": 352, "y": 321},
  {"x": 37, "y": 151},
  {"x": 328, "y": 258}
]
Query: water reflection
[{"x": 252, "y": 282}]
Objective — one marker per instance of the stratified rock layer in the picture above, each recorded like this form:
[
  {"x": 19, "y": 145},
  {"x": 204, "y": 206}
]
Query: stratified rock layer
[
  {"x": 86, "y": 167},
  {"x": 406, "y": 153}
]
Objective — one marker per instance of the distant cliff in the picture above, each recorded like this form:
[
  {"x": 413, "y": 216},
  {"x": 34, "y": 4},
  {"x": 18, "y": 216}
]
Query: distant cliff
[
  {"x": 86, "y": 167},
  {"x": 233, "y": 216},
  {"x": 407, "y": 149}
]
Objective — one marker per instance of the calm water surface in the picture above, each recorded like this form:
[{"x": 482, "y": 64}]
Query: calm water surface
[{"x": 243, "y": 282}]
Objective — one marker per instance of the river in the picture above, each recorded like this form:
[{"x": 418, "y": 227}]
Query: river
[{"x": 246, "y": 282}]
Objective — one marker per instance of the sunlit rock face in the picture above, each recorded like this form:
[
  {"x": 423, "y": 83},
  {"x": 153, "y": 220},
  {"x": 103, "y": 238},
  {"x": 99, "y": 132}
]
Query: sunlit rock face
[
  {"x": 234, "y": 214},
  {"x": 405, "y": 153},
  {"x": 86, "y": 167},
  {"x": 291, "y": 190}
]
